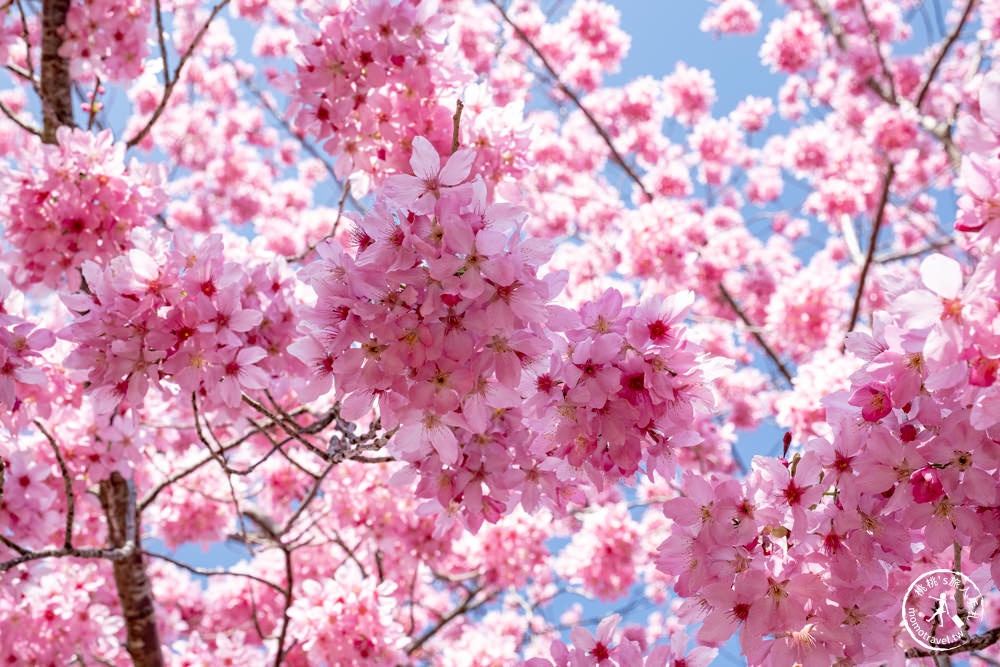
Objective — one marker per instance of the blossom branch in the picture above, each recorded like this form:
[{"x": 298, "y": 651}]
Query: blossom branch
[
  {"x": 67, "y": 487},
  {"x": 872, "y": 242},
  {"x": 949, "y": 42},
  {"x": 466, "y": 606},
  {"x": 170, "y": 81},
  {"x": 620, "y": 161},
  {"x": 977, "y": 643},
  {"x": 876, "y": 42},
  {"x": 123, "y": 540},
  {"x": 615, "y": 155},
  {"x": 755, "y": 332},
  {"x": 214, "y": 573},
  {"x": 20, "y": 123}
]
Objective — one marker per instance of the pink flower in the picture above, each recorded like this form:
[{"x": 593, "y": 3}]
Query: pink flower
[
  {"x": 420, "y": 193},
  {"x": 874, "y": 401},
  {"x": 598, "y": 648},
  {"x": 925, "y": 485},
  {"x": 238, "y": 372}
]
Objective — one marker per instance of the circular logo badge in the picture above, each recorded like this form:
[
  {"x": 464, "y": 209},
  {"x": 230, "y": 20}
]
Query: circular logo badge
[{"x": 940, "y": 608}]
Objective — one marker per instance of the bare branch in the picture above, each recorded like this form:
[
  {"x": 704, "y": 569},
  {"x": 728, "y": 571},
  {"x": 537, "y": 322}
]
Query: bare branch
[
  {"x": 872, "y": 242},
  {"x": 171, "y": 81},
  {"x": 67, "y": 487},
  {"x": 345, "y": 193},
  {"x": 20, "y": 123}
]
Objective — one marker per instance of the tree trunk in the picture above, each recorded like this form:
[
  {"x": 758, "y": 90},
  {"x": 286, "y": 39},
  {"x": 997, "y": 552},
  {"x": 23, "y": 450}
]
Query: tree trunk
[
  {"x": 56, "y": 88},
  {"x": 134, "y": 592}
]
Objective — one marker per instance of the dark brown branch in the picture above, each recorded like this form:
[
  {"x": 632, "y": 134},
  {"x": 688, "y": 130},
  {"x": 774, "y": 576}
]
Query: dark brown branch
[
  {"x": 67, "y": 487},
  {"x": 768, "y": 350},
  {"x": 279, "y": 655},
  {"x": 936, "y": 65},
  {"x": 56, "y": 87},
  {"x": 142, "y": 640},
  {"x": 169, "y": 81},
  {"x": 872, "y": 242}
]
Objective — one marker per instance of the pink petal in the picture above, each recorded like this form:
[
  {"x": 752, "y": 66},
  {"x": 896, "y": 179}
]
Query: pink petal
[
  {"x": 445, "y": 443},
  {"x": 244, "y": 320},
  {"x": 457, "y": 168},
  {"x": 425, "y": 160},
  {"x": 250, "y": 355},
  {"x": 489, "y": 242},
  {"x": 943, "y": 275}
]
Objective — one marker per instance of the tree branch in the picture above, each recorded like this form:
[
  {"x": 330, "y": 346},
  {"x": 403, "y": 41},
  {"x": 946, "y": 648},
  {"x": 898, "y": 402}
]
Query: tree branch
[
  {"x": 615, "y": 155},
  {"x": 170, "y": 81},
  {"x": 465, "y": 606},
  {"x": 872, "y": 242},
  {"x": 977, "y": 643},
  {"x": 67, "y": 487},
  {"x": 936, "y": 65},
  {"x": 755, "y": 332}
]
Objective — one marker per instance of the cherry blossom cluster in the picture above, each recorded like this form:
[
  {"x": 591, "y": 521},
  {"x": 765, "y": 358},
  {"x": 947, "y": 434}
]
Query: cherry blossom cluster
[
  {"x": 628, "y": 650},
  {"x": 815, "y": 550},
  {"x": 352, "y": 608},
  {"x": 22, "y": 374},
  {"x": 107, "y": 39},
  {"x": 439, "y": 315},
  {"x": 170, "y": 310},
  {"x": 75, "y": 202},
  {"x": 978, "y": 208}
]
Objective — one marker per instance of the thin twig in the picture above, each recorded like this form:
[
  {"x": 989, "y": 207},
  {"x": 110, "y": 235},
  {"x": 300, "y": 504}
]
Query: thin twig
[
  {"x": 465, "y": 606},
  {"x": 952, "y": 38},
  {"x": 616, "y": 156},
  {"x": 872, "y": 242},
  {"x": 755, "y": 332},
  {"x": 285, "y": 619},
  {"x": 93, "y": 103},
  {"x": 20, "y": 123},
  {"x": 163, "y": 44},
  {"x": 456, "y": 120},
  {"x": 977, "y": 643},
  {"x": 171, "y": 81},
  {"x": 877, "y": 43},
  {"x": 336, "y": 223},
  {"x": 214, "y": 573},
  {"x": 67, "y": 487}
]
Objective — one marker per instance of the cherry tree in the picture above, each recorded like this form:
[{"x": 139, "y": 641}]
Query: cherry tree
[{"x": 452, "y": 342}]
